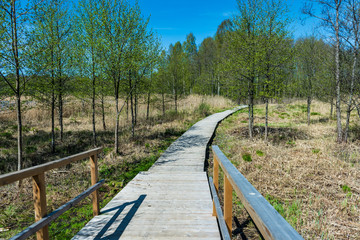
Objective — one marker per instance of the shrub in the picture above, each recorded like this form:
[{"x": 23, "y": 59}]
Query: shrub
[
  {"x": 247, "y": 157},
  {"x": 259, "y": 153},
  {"x": 204, "y": 109},
  {"x": 346, "y": 188},
  {"x": 316, "y": 150}
]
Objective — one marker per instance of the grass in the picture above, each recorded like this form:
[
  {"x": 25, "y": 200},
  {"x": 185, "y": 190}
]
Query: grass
[
  {"x": 305, "y": 175},
  {"x": 259, "y": 153},
  {"x": 247, "y": 157},
  {"x": 153, "y": 136}
]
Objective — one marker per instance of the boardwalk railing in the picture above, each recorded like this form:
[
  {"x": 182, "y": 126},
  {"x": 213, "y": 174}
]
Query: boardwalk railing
[
  {"x": 269, "y": 222},
  {"x": 37, "y": 173}
]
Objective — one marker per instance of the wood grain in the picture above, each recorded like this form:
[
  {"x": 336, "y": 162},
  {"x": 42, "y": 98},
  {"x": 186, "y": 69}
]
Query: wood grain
[
  {"x": 39, "y": 195},
  {"x": 36, "y": 170},
  {"x": 94, "y": 179}
]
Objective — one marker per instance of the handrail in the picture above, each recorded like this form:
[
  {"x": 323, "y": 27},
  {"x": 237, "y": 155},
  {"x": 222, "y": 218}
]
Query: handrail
[
  {"x": 55, "y": 214},
  {"x": 269, "y": 222},
  {"x": 36, "y": 170},
  {"x": 39, "y": 188},
  {"x": 218, "y": 212}
]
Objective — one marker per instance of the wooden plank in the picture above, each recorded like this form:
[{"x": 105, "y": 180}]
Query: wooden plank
[
  {"x": 164, "y": 168},
  {"x": 39, "y": 195},
  {"x": 269, "y": 222},
  {"x": 175, "y": 176},
  {"x": 216, "y": 178},
  {"x": 55, "y": 214},
  {"x": 218, "y": 212},
  {"x": 94, "y": 179},
  {"x": 228, "y": 203},
  {"x": 36, "y": 170}
]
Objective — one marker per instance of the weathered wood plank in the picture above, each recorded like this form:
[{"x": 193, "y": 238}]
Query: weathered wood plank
[
  {"x": 94, "y": 179},
  {"x": 39, "y": 195},
  {"x": 218, "y": 212},
  {"x": 36, "y": 170},
  {"x": 228, "y": 203},
  {"x": 55, "y": 214}
]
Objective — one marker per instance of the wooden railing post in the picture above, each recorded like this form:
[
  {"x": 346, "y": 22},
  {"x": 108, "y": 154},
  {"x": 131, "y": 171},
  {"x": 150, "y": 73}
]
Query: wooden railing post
[
  {"x": 228, "y": 203},
  {"x": 216, "y": 178},
  {"x": 39, "y": 194},
  {"x": 94, "y": 179}
]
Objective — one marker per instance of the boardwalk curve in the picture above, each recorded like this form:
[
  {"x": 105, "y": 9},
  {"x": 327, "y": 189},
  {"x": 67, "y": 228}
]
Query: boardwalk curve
[{"x": 169, "y": 201}]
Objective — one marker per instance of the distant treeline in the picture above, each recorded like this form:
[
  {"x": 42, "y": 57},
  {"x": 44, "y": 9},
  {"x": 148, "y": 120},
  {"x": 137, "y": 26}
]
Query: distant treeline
[{"x": 253, "y": 57}]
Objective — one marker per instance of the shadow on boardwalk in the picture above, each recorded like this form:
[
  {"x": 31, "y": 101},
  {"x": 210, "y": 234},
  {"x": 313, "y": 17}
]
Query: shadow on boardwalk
[{"x": 125, "y": 221}]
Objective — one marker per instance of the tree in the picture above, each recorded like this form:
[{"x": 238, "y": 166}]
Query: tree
[
  {"x": 176, "y": 70},
  {"x": 207, "y": 60},
  {"x": 330, "y": 16},
  {"x": 13, "y": 54},
  {"x": 124, "y": 31},
  {"x": 191, "y": 64},
  {"x": 277, "y": 52},
  {"x": 162, "y": 78},
  {"x": 308, "y": 65},
  {"x": 88, "y": 30},
  {"x": 222, "y": 33},
  {"x": 352, "y": 29},
  {"x": 244, "y": 56},
  {"x": 49, "y": 31}
]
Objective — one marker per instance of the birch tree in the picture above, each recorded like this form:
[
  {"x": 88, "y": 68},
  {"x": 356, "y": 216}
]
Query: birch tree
[
  {"x": 331, "y": 14},
  {"x": 13, "y": 54}
]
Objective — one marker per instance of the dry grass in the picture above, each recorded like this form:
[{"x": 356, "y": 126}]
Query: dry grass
[
  {"x": 312, "y": 181},
  {"x": 77, "y": 124}
]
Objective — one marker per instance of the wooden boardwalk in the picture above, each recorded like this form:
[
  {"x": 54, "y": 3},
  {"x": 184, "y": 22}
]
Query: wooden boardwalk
[{"x": 170, "y": 201}]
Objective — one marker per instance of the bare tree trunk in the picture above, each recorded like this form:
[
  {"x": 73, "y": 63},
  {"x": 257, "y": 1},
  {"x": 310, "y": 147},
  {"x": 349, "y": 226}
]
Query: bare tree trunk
[
  {"x": 17, "y": 90},
  {"x": 132, "y": 116},
  {"x": 60, "y": 106},
  {"x": 93, "y": 98},
  {"x": 266, "y": 117},
  {"x": 117, "y": 124},
  {"x": 163, "y": 103},
  {"x": 53, "y": 102},
  {"x": 308, "y": 109},
  {"x": 116, "y": 86},
  {"x": 331, "y": 107},
  {"x": 148, "y": 106},
  {"x": 18, "y": 113},
  {"x": 358, "y": 109},
  {"x": 176, "y": 101},
  {"x": 251, "y": 111},
  {"x": 53, "y": 114},
  {"x": 103, "y": 112},
  {"x": 127, "y": 110},
  {"x": 337, "y": 76},
  {"x": 349, "y": 104},
  {"x": 132, "y": 108}
]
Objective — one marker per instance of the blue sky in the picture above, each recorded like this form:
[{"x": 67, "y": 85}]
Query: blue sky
[{"x": 173, "y": 20}]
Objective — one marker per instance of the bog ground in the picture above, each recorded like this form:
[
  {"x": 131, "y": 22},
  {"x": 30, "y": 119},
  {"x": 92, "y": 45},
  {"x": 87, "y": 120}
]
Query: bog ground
[{"x": 308, "y": 178}]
